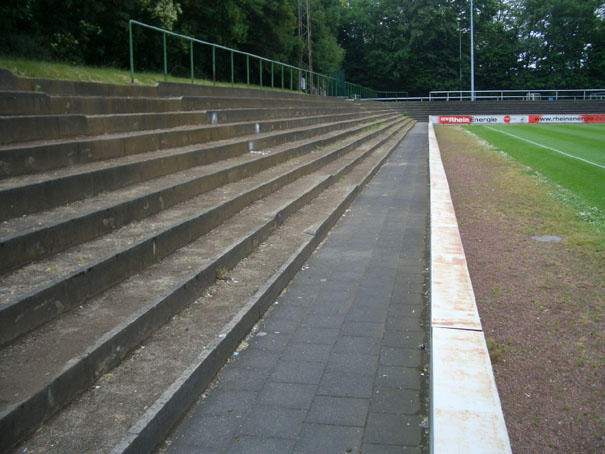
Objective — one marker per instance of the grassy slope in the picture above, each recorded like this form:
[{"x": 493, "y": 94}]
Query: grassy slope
[
  {"x": 66, "y": 71},
  {"x": 586, "y": 141}
]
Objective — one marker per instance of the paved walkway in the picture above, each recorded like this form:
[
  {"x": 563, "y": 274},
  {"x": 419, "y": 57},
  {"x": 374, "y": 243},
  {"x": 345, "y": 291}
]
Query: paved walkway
[{"x": 337, "y": 365}]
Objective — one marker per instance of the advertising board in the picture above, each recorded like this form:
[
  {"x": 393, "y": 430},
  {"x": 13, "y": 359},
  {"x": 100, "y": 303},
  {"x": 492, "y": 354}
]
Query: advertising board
[{"x": 515, "y": 119}]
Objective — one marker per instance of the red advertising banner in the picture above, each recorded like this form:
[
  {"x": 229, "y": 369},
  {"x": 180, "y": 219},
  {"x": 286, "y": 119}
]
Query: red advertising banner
[
  {"x": 516, "y": 119},
  {"x": 455, "y": 120}
]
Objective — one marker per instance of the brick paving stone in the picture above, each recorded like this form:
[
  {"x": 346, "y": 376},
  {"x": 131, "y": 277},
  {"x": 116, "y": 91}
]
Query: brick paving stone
[
  {"x": 246, "y": 444},
  {"x": 273, "y": 422},
  {"x": 393, "y": 429},
  {"x": 405, "y": 357},
  {"x": 223, "y": 402},
  {"x": 287, "y": 395},
  {"x": 329, "y": 439},
  {"x": 307, "y": 352},
  {"x": 338, "y": 411},
  {"x": 393, "y": 400},
  {"x": 304, "y": 372},
  {"x": 398, "y": 377},
  {"x": 346, "y": 385},
  {"x": 325, "y": 336},
  {"x": 364, "y": 329}
]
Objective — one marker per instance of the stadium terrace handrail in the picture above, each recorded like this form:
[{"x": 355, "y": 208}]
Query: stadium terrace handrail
[
  {"x": 318, "y": 83},
  {"x": 523, "y": 95}
]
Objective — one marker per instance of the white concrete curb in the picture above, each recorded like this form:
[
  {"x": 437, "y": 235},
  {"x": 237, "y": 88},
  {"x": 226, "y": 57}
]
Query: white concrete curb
[{"x": 466, "y": 416}]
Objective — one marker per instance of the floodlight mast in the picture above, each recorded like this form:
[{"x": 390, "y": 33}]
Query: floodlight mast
[
  {"x": 304, "y": 32},
  {"x": 472, "y": 57}
]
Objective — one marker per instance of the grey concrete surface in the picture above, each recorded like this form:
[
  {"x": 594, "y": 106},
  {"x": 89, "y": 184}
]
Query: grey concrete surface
[{"x": 338, "y": 364}]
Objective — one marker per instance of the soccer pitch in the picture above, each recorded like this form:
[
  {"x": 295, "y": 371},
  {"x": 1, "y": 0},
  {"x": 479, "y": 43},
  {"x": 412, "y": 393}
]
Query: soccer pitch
[{"x": 572, "y": 156}]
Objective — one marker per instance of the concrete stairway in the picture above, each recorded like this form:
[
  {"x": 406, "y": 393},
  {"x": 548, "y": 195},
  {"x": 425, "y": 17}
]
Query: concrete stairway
[{"x": 121, "y": 207}]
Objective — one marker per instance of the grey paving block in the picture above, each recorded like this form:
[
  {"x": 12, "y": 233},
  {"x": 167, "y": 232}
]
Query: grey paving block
[
  {"x": 205, "y": 433},
  {"x": 223, "y": 402},
  {"x": 298, "y": 372},
  {"x": 323, "y": 321},
  {"x": 379, "y": 277},
  {"x": 412, "y": 267},
  {"x": 289, "y": 312},
  {"x": 368, "y": 448},
  {"x": 399, "y": 322},
  {"x": 307, "y": 352},
  {"x": 409, "y": 297},
  {"x": 287, "y": 395},
  {"x": 372, "y": 297},
  {"x": 342, "y": 276},
  {"x": 398, "y": 377},
  {"x": 403, "y": 338},
  {"x": 255, "y": 358},
  {"x": 247, "y": 444},
  {"x": 392, "y": 400},
  {"x": 357, "y": 344},
  {"x": 269, "y": 341},
  {"x": 305, "y": 300},
  {"x": 273, "y": 422},
  {"x": 276, "y": 325},
  {"x": 392, "y": 429},
  {"x": 333, "y": 290},
  {"x": 240, "y": 379},
  {"x": 367, "y": 314},
  {"x": 406, "y": 310},
  {"x": 326, "y": 439},
  {"x": 341, "y": 384},
  {"x": 340, "y": 411},
  {"x": 352, "y": 363},
  {"x": 409, "y": 280},
  {"x": 365, "y": 329},
  {"x": 405, "y": 357},
  {"x": 370, "y": 291},
  {"x": 325, "y": 336},
  {"x": 330, "y": 307}
]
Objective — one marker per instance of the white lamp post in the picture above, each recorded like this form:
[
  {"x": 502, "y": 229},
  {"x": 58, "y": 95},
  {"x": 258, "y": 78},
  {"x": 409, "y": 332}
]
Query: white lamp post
[{"x": 472, "y": 58}]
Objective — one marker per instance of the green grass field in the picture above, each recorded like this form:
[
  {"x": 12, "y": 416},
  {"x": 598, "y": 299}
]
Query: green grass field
[{"x": 572, "y": 156}]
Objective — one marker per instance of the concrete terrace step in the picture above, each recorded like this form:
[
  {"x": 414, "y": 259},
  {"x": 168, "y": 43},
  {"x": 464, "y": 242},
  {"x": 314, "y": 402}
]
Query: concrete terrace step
[
  {"x": 63, "y": 281},
  {"x": 28, "y": 128},
  {"x": 34, "y": 103},
  {"x": 31, "y": 193},
  {"x": 28, "y": 157},
  {"x": 33, "y": 237},
  {"x": 128, "y": 313}
]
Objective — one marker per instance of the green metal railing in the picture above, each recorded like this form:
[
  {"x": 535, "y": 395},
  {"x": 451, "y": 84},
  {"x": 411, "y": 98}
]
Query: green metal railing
[{"x": 299, "y": 78}]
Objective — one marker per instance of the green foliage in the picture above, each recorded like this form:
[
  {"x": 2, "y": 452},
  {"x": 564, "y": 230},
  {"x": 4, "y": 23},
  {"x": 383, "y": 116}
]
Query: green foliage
[{"x": 409, "y": 45}]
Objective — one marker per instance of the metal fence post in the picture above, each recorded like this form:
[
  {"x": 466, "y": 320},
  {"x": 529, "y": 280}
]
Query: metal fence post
[
  {"x": 214, "y": 65},
  {"x": 191, "y": 58},
  {"x": 272, "y": 74},
  {"x": 131, "y": 53},
  {"x": 261, "y": 72},
  {"x": 232, "y": 70},
  {"x": 248, "y": 70},
  {"x": 165, "y": 59}
]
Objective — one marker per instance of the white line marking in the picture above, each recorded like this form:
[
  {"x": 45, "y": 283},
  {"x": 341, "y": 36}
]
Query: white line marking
[{"x": 548, "y": 148}]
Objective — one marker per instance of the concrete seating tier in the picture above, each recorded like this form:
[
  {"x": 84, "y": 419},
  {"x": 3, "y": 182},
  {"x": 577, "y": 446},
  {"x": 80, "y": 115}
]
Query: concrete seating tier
[{"x": 121, "y": 205}]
